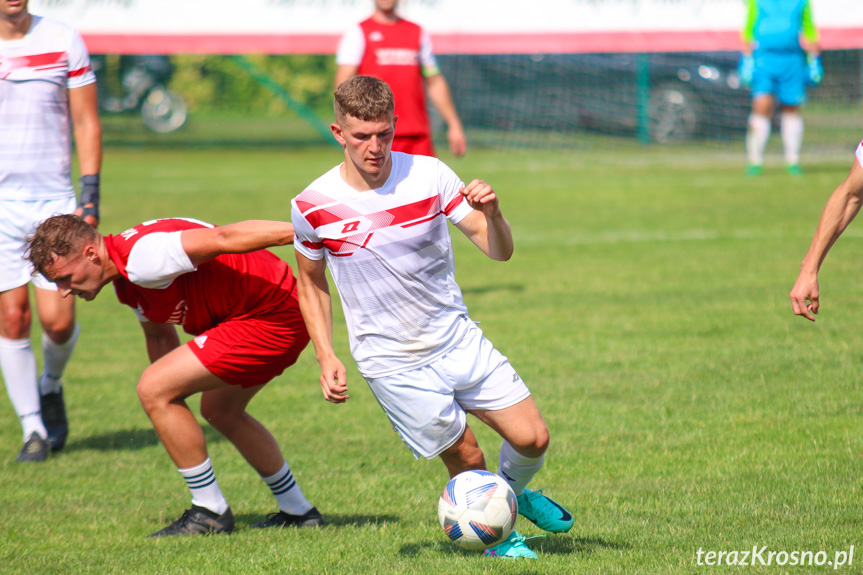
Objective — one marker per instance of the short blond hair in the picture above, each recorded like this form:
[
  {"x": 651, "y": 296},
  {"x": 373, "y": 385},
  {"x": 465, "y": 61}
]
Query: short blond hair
[{"x": 363, "y": 97}]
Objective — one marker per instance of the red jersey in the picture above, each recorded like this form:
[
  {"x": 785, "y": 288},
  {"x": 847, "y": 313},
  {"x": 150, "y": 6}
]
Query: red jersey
[
  {"x": 232, "y": 286},
  {"x": 392, "y": 53}
]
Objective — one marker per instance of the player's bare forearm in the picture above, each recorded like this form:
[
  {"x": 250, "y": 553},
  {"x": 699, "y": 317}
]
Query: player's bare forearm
[
  {"x": 161, "y": 339},
  {"x": 204, "y": 244},
  {"x": 841, "y": 209},
  {"x": 316, "y": 307},
  {"x": 485, "y": 226}
]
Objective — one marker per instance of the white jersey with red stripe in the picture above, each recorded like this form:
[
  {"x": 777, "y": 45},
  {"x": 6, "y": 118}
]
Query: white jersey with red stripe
[
  {"x": 859, "y": 153},
  {"x": 390, "y": 254},
  {"x": 36, "y": 73}
]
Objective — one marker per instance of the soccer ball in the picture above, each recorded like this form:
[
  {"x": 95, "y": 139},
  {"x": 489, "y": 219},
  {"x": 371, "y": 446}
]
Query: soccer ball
[{"x": 477, "y": 510}]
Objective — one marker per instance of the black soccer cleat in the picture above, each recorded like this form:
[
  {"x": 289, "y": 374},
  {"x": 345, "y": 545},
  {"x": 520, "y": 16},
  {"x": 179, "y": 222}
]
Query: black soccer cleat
[
  {"x": 311, "y": 518},
  {"x": 54, "y": 417},
  {"x": 35, "y": 449},
  {"x": 198, "y": 520}
]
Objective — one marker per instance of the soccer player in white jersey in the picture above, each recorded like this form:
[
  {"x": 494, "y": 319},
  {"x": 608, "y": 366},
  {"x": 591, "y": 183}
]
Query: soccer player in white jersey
[
  {"x": 45, "y": 79},
  {"x": 379, "y": 221},
  {"x": 840, "y": 211}
]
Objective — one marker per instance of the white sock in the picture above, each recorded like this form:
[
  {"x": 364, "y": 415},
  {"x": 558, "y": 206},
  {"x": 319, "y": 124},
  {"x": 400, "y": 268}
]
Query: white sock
[
  {"x": 287, "y": 493},
  {"x": 756, "y": 138},
  {"x": 56, "y": 357},
  {"x": 517, "y": 469},
  {"x": 18, "y": 364},
  {"x": 791, "y": 126},
  {"x": 205, "y": 489}
]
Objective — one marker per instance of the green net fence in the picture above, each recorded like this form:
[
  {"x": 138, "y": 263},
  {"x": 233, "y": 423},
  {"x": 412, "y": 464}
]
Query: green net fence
[{"x": 578, "y": 101}]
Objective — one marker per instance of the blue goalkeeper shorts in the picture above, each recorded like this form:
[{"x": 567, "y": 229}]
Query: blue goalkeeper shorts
[{"x": 782, "y": 74}]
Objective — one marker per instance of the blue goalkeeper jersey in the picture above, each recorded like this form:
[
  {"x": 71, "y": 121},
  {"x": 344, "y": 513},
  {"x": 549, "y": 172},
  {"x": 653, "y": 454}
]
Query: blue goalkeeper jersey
[{"x": 776, "y": 25}]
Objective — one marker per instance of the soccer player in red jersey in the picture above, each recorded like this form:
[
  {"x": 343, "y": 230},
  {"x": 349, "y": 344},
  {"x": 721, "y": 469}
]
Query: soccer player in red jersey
[
  {"x": 239, "y": 300},
  {"x": 399, "y": 52}
]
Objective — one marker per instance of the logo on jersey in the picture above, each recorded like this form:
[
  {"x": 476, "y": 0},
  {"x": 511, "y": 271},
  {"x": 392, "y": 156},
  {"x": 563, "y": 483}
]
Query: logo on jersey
[
  {"x": 376, "y": 36},
  {"x": 397, "y": 57},
  {"x": 200, "y": 341},
  {"x": 351, "y": 227},
  {"x": 129, "y": 233}
]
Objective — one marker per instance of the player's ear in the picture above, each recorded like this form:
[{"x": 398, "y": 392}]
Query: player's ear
[
  {"x": 92, "y": 254},
  {"x": 338, "y": 134}
]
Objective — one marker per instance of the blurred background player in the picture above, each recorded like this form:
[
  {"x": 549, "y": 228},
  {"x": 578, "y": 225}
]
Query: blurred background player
[
  {"x": 239, "y": 300},
  {"x": 399, "y": 52},
  {"x": 45, "y": 79},
  {"x": 777, "y": 68},
  {"x": 840, "y": 211},
  {"x": 379, "y": 222}
]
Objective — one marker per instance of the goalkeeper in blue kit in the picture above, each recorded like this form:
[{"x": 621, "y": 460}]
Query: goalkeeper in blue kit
[{"x": 781, "y": 56}]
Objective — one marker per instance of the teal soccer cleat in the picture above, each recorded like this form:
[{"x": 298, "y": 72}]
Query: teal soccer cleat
[
  {"x": 513, "y": 547},
  {"x": 544, "y": 512}
]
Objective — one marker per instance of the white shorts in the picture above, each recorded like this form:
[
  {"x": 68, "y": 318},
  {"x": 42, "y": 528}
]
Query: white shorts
[
  {"x": 19, "y": 219},
  {"x": 427, "y": 405}
]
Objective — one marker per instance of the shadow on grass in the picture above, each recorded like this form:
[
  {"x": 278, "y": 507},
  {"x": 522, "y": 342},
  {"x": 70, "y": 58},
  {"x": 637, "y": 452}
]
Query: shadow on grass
[
  {"x": 128, "y": 439},
  {"x": 550, "y": 545},
  {"x": 480, "y": 290},
  {"x": 332, "y": 520}
]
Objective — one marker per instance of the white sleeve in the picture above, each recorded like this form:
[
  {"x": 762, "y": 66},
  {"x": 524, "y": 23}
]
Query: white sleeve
[
  {"x": 306, "y": 240},
  {"x": 454, "y": 203},
  {"x": 427, "y": 59},
  {"x": 80, "y": 72},
  {"x": 351, "y": 47},
  {"x": 859, "y": 153},
  {"x": 157, "y": 259}
]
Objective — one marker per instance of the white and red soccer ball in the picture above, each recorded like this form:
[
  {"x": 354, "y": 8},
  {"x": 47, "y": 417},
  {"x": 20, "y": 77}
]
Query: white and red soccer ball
[{"x": 477, "y": 510}]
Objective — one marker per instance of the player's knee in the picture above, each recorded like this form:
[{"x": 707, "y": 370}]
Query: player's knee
[
  {"x": 149, "y": 393},
  {"x": 16, "y": 322},
  {"x": 533, "y": 444},
  {"x": 217, "y": 417},
  {"x": 59, "y": 332}
]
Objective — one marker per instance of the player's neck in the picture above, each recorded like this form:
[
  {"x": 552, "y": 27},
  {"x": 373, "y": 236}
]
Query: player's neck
[
  {"x": 385, "y": 16},
  {"x": 363, "y": 181},
  {"x": 110, "y": 272},
  {"x": 15, "y": 27}
]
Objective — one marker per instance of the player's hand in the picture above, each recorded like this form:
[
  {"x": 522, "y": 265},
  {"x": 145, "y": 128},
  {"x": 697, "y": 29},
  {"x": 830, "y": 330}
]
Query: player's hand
[
  {"x": 89, "y": 219},
  {"x": 804, "y": 296},
  {"x": 457, "y": 141},
  {"x": 334, "y": 381},
  {"x": 746, "y": 69},
  {"x": 815, "y": 68},
  {"x": 480, "y": 196}
]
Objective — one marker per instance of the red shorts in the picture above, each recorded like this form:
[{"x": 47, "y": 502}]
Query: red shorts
[
  {"x": 417, "y": 145},
  {"x": 253, "y": 350}
]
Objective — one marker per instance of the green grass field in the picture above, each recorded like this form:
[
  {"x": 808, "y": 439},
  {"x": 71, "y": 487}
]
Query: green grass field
[{"x": 646, "y": 307}]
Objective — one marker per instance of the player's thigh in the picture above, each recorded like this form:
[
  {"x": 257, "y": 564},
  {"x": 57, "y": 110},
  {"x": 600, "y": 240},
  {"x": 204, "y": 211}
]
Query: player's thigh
[
  {"x": 56, "y": 313},
  {"x": 421, "y": 407},
  {"x": 176, "y": 375}
]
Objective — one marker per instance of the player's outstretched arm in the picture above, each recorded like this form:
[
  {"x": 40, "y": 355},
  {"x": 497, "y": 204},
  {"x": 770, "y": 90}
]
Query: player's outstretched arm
[
  {"x": 317, "y": 310},
  {"x": 485, "y": 226},
  {"x": 840, "y": 211},
  {"x": 204, "y": 244}
]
